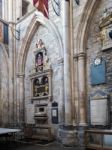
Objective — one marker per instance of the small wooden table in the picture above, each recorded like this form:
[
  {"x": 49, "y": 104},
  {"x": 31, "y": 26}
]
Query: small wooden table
[{"x": 100, "y": 132}]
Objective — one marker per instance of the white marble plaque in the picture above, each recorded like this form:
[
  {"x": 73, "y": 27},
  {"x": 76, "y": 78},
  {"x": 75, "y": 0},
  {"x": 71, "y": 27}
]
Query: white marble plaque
[
  {"x": 54, "y": 113},
  {"x": 99, "y": 112}
]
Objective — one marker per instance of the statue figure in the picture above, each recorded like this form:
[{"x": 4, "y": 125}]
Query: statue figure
[{"x": 40, "y": 44}]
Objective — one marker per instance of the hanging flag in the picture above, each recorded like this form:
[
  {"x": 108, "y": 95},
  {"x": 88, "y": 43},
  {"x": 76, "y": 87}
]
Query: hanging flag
[{"x": 41, "y": 5}]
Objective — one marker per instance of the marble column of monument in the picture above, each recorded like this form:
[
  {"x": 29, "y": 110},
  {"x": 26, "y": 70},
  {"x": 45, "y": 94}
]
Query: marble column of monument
[
  {"x": 82, "y": 96},
  {"x": 66, "y": 131}
]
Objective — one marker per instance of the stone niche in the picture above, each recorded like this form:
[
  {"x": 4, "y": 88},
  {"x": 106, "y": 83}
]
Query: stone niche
[
  {"x": 41, "y": 93},
  {"x": 106, "y": 29}
]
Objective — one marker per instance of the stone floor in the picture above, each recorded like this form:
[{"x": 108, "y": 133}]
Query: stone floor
[{"x": 50, "y": 146}]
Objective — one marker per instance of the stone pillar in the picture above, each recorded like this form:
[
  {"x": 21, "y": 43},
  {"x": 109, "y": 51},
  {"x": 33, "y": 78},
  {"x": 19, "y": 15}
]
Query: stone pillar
[
  {"x": 12, "y": 62},
  {"x": 0, "y": 87},
  {"x": 5, "y": 9},
  {"x": 20, "y": 99},
  {"x": 67, "y": 66},
  {"x": 10, "y": 10},
  {"x": 82, "y": 96},
  {"x": 76, "y": 98},
  {"x": 82, "y": 89},
  {"x": 67, "y": 133}
]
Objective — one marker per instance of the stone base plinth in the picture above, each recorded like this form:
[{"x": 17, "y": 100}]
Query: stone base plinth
[
  {"x": 81, "y": 135},
  {"x": 68, "y": 135}
]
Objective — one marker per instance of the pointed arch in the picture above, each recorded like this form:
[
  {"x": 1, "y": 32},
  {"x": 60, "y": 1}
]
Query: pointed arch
[
  {"x": 37, "y": 20},
  {"x": 84, "y": 25}
]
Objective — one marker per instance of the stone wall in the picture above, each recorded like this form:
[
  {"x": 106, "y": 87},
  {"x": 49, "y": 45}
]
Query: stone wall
[{"x": 93, "y": 50}]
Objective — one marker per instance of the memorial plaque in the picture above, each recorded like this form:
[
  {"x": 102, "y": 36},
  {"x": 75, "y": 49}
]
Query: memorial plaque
[
  {"x": 99, "y": 111},
  {"x": 98, "y": 73}
]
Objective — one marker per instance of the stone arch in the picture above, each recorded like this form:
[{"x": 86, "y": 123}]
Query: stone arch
[
  {"x": 84, "y": 24},
  {"x": 80, "y": 59},
  {"x": 37, "y": 20}
]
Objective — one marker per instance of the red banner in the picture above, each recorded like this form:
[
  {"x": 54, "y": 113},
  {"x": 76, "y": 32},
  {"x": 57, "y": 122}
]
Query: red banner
[{"x": 41, "y": 5}]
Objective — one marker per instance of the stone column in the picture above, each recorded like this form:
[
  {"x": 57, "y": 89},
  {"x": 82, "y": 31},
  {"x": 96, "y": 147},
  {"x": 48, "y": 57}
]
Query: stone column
[
  {"x": 12, "y": 62},
  {"x": 4, "y": 9},
  {"x": 20, "y": 99},
  {"x": 82, "y": 96},
  {"x": 82, "y": 89},
  {"x": 67, "y": 66},
  {"x": 10, "y": 10},
  {"x": 66, "y": 131},
  {"x": 76, "y": 95},
  {"x": 0, "y": 87}
]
